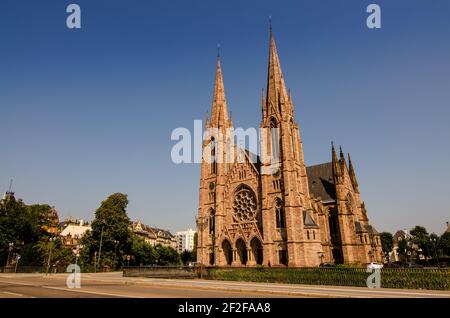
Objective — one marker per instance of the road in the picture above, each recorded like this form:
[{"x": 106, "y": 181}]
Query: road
[{"x": 107, "y": 285}]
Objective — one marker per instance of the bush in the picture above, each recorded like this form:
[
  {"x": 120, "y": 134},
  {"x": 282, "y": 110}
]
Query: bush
[{"x": 412, "y": 278}]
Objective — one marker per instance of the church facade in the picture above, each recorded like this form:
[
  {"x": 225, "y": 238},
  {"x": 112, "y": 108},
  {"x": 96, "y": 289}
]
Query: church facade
[{"x": 282, "y": 213}]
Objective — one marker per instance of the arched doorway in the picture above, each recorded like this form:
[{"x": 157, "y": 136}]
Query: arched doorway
[
  {"x": 242, "y": 251},
  {"x": 227, "y": 251},
  {"x": 257, "y": 250}
]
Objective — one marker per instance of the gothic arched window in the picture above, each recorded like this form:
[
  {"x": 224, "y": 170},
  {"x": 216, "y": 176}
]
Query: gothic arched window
[
  {"x": 212, "y": 222},
  {"x": 275, "y": 139},
  {"x": 280, "y": 215},
  {"x": 229, "y": 149},
  {"x": 293, "y": 139},
  {"x": 213, "y": 156}
]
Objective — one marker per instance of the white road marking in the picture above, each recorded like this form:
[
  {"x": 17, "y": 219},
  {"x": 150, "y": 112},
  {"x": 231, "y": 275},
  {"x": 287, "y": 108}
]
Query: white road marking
[
  {"x": 11, "y": 293},
  {"x": 72, "y": 290}
]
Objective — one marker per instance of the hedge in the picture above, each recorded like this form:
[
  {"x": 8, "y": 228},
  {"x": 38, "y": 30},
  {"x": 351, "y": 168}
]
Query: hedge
[{"x": 410, "y": 278}]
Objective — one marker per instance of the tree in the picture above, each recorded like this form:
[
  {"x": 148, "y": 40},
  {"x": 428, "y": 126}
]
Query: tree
[
  {"x": 54, "y": 251},
  {"x": 111, "y": 226},
  {"x": 188, "y": 256},
  {"x": 421, "y": 238},
  {"x": 444, "y": 244},
  {"x": 387, "y": 243},
  {"x": 167, "y": 255},
  {"x": 402, "y": 248},
  {"x": 142, "y": 252},
  {"x": 23, "y": 226}
]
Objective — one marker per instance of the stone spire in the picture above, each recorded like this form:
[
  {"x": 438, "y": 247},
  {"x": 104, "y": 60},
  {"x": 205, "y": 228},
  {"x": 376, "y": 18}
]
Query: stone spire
[
  {"x": 219, "y": 113},
  {"x": 341, "y": 155},
  {"x": 276, "y": 88},
  {"x": 337, "y": 172},
  {"x": 207, "y": 120},
  {"x": 352, "y": 175}
]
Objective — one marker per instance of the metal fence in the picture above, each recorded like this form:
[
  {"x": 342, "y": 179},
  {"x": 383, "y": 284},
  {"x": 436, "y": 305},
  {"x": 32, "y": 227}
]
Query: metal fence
[
  {"x": 413, "y": 278},
  {"x": 162, "y": 271}
]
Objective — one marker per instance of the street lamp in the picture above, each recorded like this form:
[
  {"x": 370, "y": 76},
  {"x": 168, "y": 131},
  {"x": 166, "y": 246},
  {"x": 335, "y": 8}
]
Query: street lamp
[
  {"x": 116, "y": 243},
  {"x": 50, "y": 253},
  {"x": 100, "y": 248},
  {"x": 77, "y": 254},
  {"x": 201, "y": 226},
  {"x": 95, "y": 262},
  {"x": 10, "y": 247},
  {"x": 433, "y": 240}
]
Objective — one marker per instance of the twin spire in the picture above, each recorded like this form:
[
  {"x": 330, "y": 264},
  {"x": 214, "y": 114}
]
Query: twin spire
[
  {"x": 276, "y": 87},
  {"x": 219, "y": 113},
  {"x": 276, "y": 96}
]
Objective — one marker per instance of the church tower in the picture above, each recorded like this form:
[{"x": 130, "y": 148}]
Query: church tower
[
  {"x": 290, "y": 230},
  {"x": 358, "y": 240},
  {"x": 216, "y": 148}
]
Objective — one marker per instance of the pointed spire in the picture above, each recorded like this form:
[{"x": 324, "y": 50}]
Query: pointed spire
[
  {"x": 219, "y": 113},
  {"x": 207, "y": 120},
  {"x": 337, "y": 172},
  {"x": 230, "y": 122},
  {"x": 352, "y": 175},
  {"x": 276, "y": 88},
  {"x": 333, "y": 153}
]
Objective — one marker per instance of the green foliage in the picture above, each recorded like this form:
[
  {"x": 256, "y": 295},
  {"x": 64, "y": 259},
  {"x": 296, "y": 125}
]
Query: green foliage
[
  {"x": 422, "y": 239},
  {"x": 111, "y": 227},
  {"x": 54, "y": 249},
  {"x": 402, "y": 248},
  {"x": 188, "y": 256},
  {"x": 444, "y": 244},
  {"x": 390, "y": 278},
  {"x": 142, "y": 253},
  {"x": 23, "y": 225},
  {"x": 387, "y": 243},
  {"x": 167, "y": 255}
]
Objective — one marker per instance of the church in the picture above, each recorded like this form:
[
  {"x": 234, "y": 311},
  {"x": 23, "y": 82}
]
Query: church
[{"x": 291, "y": 216}]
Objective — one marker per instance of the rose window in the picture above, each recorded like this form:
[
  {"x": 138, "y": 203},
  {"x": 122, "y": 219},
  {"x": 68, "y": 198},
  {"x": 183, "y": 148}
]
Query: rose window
[{"x": 244, "y": 205}]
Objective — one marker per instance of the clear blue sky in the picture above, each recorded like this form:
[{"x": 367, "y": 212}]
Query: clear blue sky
[{"x": 85, "y": 113}]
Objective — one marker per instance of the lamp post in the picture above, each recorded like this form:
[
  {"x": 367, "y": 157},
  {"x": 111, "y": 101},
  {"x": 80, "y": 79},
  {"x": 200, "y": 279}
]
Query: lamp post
[
  {"x": 200, "y": 227},
  {"x": 434, "y": 243},
  {"x": 95, "y": 262},
  {"x": 77, "y": 254},
  {"x": 100, "y": 249},
  {"x": 10, "y": 247},
  {"x": 50, "y": 253},
  {"x": 17, "y": 262},
  {"x": 116, "y": 243}
]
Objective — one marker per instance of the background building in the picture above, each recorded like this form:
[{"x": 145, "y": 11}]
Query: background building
[
  {"x": 73, "y": 232},
  {"x": 154, "y": 236},
  {"x": 185, "y": 240}
]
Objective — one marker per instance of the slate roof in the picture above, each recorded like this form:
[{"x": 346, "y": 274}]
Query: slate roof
[{"x": 321, "y": 182}]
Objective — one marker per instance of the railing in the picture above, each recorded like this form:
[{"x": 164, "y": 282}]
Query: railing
[
  {"x": 162, "y": 271},
  {"x": 413, "y": 278},
  {"x": 23, "y": 269}
]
